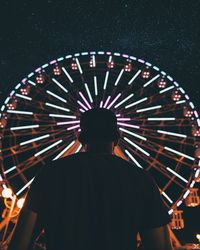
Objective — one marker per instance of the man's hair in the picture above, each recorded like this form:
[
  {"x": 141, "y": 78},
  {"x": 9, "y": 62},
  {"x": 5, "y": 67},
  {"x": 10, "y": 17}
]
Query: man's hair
[{"x": 98, "y": 125}]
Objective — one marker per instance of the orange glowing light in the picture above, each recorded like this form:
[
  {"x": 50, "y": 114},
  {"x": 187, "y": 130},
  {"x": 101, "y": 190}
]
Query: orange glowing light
[{"x": 197, "y": 153}]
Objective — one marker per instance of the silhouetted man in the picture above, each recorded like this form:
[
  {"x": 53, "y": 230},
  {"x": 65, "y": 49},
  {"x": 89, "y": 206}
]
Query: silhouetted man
[{"x": 94, "y": 200}]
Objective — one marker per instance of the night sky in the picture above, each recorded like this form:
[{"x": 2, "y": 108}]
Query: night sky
[{"x": 165, "y": 33}]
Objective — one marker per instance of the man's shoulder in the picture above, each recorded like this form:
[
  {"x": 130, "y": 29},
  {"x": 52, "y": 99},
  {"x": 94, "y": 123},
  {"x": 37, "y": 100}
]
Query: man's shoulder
[
  {"x": 129, "y": 165},
  {"x": 75, "y": 161},
  {"x": 114, "y": 160}
]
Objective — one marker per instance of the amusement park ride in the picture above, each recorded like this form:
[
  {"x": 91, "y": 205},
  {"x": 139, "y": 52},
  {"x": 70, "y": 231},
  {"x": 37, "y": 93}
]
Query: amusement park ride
[{"x": 159, "y": 126}]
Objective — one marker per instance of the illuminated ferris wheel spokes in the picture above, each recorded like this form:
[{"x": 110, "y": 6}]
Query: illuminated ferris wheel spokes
[{"x": 157, "y": 121}]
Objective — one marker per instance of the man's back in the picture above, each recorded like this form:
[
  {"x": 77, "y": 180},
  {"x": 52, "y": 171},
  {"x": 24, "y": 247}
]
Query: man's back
[{"x": 95, "y": 201}]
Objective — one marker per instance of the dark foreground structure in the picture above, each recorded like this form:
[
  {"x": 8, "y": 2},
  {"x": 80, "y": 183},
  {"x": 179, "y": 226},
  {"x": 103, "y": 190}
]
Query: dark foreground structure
[{"x": 95, "y": 200}]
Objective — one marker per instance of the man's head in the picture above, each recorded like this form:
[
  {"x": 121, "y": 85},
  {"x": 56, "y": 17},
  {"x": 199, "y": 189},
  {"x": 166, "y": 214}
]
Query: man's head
[{"x": 98, "y": 126}]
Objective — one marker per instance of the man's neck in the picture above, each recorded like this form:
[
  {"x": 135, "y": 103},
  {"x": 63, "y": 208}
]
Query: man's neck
[{"x": 100, "y": 148}]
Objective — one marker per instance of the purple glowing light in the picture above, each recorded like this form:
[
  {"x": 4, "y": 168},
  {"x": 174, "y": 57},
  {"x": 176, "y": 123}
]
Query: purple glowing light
[
  {"x": 82, "y": 105},
  {"x": 73, "y": 127},
  {"x": 84, "y": 99},
  {"x": 52, "y": 62},
  {"x": 117, "y": 97},
  {"x": 38, "y": 70},
  {"x": 127, "y": 125},
  {"x": 68, "y": 122},
  {"x": 126, "y": 56},
  {"x": 123, "y": 119},
  {"x": 140, "y": 60},
  {"x": 82, "y": 110},
  {"x": 106, "y": 103}
]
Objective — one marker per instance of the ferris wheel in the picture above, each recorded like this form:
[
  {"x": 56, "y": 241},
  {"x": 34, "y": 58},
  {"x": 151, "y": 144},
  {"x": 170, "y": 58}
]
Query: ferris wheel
[{"x": 159, "y": 126}]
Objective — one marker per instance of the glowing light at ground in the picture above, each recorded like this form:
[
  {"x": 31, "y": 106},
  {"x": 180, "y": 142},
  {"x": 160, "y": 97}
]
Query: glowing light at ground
[
  {"x": 20, "y": 203},
  {"x": 7, "y": 193}
]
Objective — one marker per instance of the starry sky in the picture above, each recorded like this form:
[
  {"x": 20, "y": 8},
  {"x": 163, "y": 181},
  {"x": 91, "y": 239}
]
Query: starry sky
[{"x": 165, "y": 33}]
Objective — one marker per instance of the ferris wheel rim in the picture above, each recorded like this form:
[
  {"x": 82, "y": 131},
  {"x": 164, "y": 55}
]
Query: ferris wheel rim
[{"x": 125, "y": 56}]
